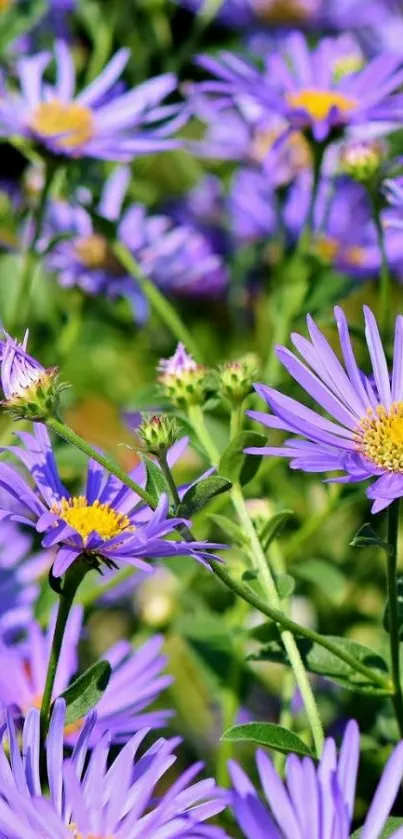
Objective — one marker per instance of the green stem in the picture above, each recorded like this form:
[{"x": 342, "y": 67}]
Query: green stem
[
  {"x": 70, "y": 436},
  {"x": 236, "y": 421},
  {"x": 393, "y": 528},
  {"x": 73, "y": 578},
  {"x": 385, "y": 279},
  {"x": 170, "y": 479},
  {"x": 259, "y": 561},
  {"x": 279, "y": 617},
  {"x": 157, "y": 301},
  {"x": 30, "y": 257}
]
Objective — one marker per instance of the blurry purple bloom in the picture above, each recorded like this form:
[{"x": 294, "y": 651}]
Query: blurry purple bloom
[
  {"x": 97, "y": 795},
  {"x": 135, "y": 683},
  {"x": 85, "y": 125},
  {"x": 20, "y": 372},
  {"x": 19, "y": 575},
  {"x": 316, "y": 801},
  {"x": 252, "y": 206},
  {"x": 304, "y": 87},
  {"x": 179, "y": 363},
  {"x": 364, "y": 438},
  {"x": 283, "y": 13}
]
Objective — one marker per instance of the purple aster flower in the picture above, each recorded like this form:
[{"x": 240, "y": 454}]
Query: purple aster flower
[
  {"x": 19, "y": 575},
  {"x": 104, "y": 524},
  {"x": 95, "y": 123},
  {"x": 136, "y": 681},
  {"x": 303, "y": 87},
  {"x": 252, "y": 206},
  {"x": 315, "y": 801},
  {"x": 92, "y": 795},
  {"x": 30, "y": 391},
  {"x": 364, "y": 437}
]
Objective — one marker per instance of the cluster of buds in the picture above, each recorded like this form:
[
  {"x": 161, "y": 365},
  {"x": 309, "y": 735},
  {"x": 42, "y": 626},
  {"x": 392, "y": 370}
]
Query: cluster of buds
[
  {"x": 362, "y": 160},
  {"x": 31, "y": 392},
  {"x": 184, "y": 382},
  {"x": 158, "y": 433},
  {"x": 236, "y": 379}
]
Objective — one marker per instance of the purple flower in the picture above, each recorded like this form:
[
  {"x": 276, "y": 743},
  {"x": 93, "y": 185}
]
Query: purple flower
[
  {"x": 270, "y": 12},
  {"x": 104, "y": 524},
  {"x": 316, "y": 801},
  {"x": 19, "y": 575},
  {"x": 96, "y": 122},
  {"x": 96, "y": 795},
  {"x": 252, "y": 206},
  {"x": 305, "y": 88},
  {"x": 364, "y": 438},
  {"x": 135, "y": 683}
]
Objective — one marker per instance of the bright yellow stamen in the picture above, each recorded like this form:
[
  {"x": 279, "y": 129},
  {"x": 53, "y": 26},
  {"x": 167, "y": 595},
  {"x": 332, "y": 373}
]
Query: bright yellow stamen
[
  {"x": 319, "y": 103},
  {"x": 95, "y": 252},
  {"x": 78, "y": 835},
  {"x": 281, "y": 11},
  {"x": 69, "y": 124},
  {"x": 86, "y": 518},
  {"x": 297, "y": 147},
  {"x": 380, "y": 437}
]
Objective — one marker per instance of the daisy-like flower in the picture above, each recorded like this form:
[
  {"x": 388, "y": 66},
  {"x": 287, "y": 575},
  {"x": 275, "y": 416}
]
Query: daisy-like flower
[
  {"x": 105, "y": 524},
  {"x": 136, "y": 681},
  {"x": 364, "y": 436},
  {"x": 94, "y": 796},
  {"x": 96, "y": 122},
  {"x": 30, "y": 391},
  {"x": 315, "y": 801},
  {"x": 19, "y": 574},
  {"x": 304, "y": 87}
]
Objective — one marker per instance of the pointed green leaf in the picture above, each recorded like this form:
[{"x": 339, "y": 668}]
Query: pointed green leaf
[
  {"x": 201, "y": 493},
  {"x": 273, "y": 527},
  {"x": 156, "y": 483},
  {"x": 229, "y": 528},
  {"x": 86, "y": 691},
  {"x": 392, "y": 824},
  {"x": 285, "y": 585},
  {"x": 267, "y": 734},
  {"x": 367, "y": 537},
  {"x": 235, "y": 464}
]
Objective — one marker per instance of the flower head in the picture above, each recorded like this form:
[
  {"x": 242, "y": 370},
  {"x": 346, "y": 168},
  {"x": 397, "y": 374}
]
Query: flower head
[
  {"x": 136, "y": 681},
  {"x": 315, "y": 801},
  {"x": 158, "y": 433},
  {"x": 20, "y": 571},
  {"x": 96, "y": 122},
  {"x": 301, "y": 86},
  {"x": 364, "y": 437},
  {"x": 104, "y": 525},
  {"x": 95, "y": 795},
  {"x": 183, "y": 380},
  {"x": 30, "y": 391}
]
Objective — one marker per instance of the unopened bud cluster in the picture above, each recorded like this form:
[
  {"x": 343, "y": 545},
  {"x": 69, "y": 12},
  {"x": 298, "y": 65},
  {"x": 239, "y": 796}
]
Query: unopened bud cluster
[
  {"x": 184, "y": 382},
  {"x": 158, "y": 433},
  {"x": 31, "y": 392},
  {"x": 362, "y": 160},
  {"x": 236, "y": 379}
]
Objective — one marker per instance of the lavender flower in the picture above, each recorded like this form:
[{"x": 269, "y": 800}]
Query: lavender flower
[
  {"x": 95, "y": 123},
  {"x": 316, "y": 800},
  {"x": 30, "y": 391},
  {"x": 302, "y": 87},
  {"x": 105, "y": 524},
  {"x": 364, "y": 437},
  {"x": 135, "y": 683},
  {"x": 19, "y": 574},
  {"x": 270, "y": 12},
  {"x": 94, "y": 795}
]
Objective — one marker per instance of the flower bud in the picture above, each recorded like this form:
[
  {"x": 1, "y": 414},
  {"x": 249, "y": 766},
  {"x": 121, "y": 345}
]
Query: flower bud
[
  {"x": 31, "y": 392},
  {"x": 362, "y": 160},
  {"x": 158, "y": 433},
  {"x": 236, "y": 378},
  {"x": 183, "y": 380}
]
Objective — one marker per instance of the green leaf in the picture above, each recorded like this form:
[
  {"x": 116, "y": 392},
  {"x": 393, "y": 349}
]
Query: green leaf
[
  {"x": 235, "y": 464},
  {"x": 273, "y": 527},
  {"x": 366, "y": 537},
  {"x": 319, "y": 660},
  {"x": 285, "y": 585},
  {"x": 267, "y": 734},
  {"x": 156, "y": 483},
  {"x": 391, "y": 825},
  {"x": 249, "y": 575},
  {"x": 325, "y": 575},
  {"x": 229, "y": 528},
  {"x": 200, "y": 494},
  {"x": 86, "y": 691},
  {"x": 399, "y": 586}
]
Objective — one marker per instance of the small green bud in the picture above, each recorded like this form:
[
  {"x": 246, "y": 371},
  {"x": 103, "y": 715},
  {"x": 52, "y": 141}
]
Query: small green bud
[
  {"x": 236, "y": 379},
  {"x": 158, "y": 433},
  {"x": 183, "y": 380},
  {"x": 362, "y": 160}
]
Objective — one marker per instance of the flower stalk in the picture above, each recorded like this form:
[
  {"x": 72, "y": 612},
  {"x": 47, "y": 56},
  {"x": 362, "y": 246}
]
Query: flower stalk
[{"x": 393, "y": 532}]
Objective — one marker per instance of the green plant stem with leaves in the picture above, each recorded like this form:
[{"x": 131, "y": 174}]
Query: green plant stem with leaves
[
  {"x": 385, "y": 279},
  {"x": 261, "y": 565},
  {"x": 72, "y": 580},
  {"x": 393, "y": 611},
  {"x": 157, "y": 300}
]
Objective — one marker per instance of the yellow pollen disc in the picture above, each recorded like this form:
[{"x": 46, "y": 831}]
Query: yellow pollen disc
[
  {"x": 280, "y": 11},
  {"x": 296, "y": 147},
  {"x": 95, "y": 252},
  {"x": 319, "y": 103},
  {"x": 379, "y": 437},
  {"x": 86, "y": 518},
  {"x": 69, "y": 124},
  {"x": 77, "y": 835}
]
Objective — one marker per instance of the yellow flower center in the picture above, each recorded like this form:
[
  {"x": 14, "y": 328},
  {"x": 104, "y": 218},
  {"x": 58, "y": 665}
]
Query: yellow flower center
[
  {"x": 281, "y": 11},
  {"x": 380, "y": 437},
  {"x": 297, "y": 148},
  {"x": 69, "y": 124},
  {"x": 86, "y": 518},
  {"x": 346, "y": 65},
  {"x": 326, "y": 248},
  {"x": 319, "y": 103},
  {"x": 95, "y": 252},
  {"x": 78, "y": 835}
]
